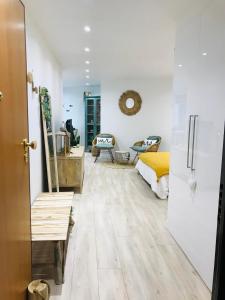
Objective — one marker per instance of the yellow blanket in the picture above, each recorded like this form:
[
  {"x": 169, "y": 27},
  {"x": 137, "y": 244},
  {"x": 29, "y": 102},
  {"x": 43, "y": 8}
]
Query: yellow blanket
[{"x": 158, "y": 161}]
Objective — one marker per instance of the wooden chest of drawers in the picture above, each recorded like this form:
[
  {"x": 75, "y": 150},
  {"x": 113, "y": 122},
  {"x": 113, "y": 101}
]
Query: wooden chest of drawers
[{"x": 71, "y": 169}]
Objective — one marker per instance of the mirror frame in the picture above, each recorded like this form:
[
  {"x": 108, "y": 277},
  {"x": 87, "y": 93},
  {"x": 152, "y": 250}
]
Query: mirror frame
[{"x": 137, "y": 103}]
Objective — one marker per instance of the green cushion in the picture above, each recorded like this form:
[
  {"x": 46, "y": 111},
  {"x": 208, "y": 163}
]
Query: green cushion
[
  {"x": 104, "y": 146},
  {"x": 105, "y": 135},
  {"x": 138, "y": 148}
]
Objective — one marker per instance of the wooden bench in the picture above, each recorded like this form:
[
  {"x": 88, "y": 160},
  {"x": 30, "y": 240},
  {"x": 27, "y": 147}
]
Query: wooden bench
[{"x": 50, "y": 224}]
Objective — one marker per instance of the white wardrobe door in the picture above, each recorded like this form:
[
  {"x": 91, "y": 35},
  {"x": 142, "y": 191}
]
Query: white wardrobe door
[
  {"x": 192, "y": 215},
  {"x": 210, "y": 106}
]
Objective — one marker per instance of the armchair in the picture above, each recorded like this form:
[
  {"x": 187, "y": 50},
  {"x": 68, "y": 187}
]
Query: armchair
[
  {"x": 103, "y": 141},
  {"x": 150, "y": 144}
]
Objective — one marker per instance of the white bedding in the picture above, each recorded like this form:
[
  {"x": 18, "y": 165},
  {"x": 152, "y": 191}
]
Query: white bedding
[{"x": 161, "y": 187}]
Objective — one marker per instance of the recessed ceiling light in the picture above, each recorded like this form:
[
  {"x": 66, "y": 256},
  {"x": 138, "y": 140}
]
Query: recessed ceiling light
[
  {"x": 87, "y": 83},
  {"x": 204, "y": 53},
  {"x": 86, "y": 49},
  {"x": 87, "y": 62},
  {"x": 87, "y": 71},
  {"x": 180, "y": 65},
  {"x": 87, "y": 28},
  {"x": 87, "y": 76}
]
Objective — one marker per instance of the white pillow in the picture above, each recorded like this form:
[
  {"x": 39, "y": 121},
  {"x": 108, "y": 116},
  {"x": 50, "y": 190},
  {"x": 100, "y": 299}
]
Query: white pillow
[
  {"x": 148, "y": 142},
  {"x": 106, "y": 141}
]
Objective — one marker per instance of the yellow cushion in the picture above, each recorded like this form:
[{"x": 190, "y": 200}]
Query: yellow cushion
[{"x": 158, "y": 161}]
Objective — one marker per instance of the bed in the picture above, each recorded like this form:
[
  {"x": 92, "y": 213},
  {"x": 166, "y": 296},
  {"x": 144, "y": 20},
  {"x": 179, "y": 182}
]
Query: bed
[{"x": 154, "y": 168}]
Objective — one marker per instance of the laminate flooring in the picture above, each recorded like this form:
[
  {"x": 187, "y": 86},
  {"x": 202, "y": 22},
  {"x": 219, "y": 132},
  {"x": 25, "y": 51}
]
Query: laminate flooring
[{"x": 120, "y": 248}]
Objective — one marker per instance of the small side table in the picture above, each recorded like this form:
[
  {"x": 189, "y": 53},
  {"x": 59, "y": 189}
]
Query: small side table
[{"x": 122, "y": 157}]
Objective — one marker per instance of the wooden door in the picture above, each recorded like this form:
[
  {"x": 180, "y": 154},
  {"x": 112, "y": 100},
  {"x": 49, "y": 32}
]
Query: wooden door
[{"x": 15, "y": 238}]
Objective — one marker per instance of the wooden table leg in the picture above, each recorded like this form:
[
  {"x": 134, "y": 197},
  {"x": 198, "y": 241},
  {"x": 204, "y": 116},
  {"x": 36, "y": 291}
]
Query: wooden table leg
[
  {"x": 59, "y": 263},
  {"x": 71, "y": 223},
  {"x": 135, "y": 158},
  {"x": 112, "y": 158},
  {"x": 97, "y": 156}
]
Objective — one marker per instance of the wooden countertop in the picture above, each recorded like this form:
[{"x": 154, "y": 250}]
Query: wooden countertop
[
  {"x": 77, "y": 152},
  {"x": 74, "y": 153}
]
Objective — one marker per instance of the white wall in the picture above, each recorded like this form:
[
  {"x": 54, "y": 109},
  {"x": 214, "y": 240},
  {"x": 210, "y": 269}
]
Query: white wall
[
  {"x": 75, "y": 97},
  {"x": 152, "y": 119},
  {"x": 46, "y": 72}
]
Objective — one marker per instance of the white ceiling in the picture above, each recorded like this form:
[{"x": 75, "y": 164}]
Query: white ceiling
[{"x": 129, "y": 38}]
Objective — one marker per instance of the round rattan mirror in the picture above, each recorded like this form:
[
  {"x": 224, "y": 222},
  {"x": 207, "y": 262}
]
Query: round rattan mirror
[{"x": 130, "y": 103}]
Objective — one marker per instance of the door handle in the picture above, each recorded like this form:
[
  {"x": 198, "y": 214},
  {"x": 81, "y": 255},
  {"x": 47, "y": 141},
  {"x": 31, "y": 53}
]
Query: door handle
[
  {"x": 32, "y": 145},
  {"x": 193, "y": 143},
  {"x": 1, "y": 96},
  {"x": 26, "y": 146},
  {"x": 189, "y": 138}
]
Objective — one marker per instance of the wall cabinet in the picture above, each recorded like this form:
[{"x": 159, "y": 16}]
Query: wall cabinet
[{"x": 92, "y": 119}]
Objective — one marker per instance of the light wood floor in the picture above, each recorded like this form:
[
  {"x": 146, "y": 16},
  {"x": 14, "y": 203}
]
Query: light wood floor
[{"x": 120, "y": 248}]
